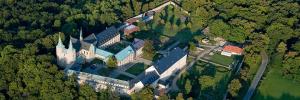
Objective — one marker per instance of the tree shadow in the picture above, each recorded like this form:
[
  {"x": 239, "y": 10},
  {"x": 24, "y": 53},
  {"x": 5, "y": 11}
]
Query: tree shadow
[
  {"x": 185, "y": 35},
  {"x": 209, "y": 71}
]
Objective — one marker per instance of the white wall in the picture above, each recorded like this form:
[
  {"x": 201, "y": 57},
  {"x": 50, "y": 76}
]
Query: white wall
[
  {"x": 127, "y": 60},
  {"x": 136, "y": 88},
  {"x": 178, "y": 65},
  {"x": 112, "y": 41}
]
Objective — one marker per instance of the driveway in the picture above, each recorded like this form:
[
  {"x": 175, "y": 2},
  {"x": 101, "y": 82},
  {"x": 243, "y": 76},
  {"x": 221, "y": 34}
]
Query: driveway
[
  {"x": 259, "y": 74},
  {"x": 174, "y": 86}
]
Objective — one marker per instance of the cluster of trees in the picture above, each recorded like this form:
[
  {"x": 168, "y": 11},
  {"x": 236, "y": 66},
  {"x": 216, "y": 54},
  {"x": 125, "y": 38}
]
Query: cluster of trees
[
  {"x": 266, "y": 25},
  {"x": 28, "y": 35},
  {"x": 30, "y": 73},
  {"x": 201, "y": 82},
  {"x": 112, "y": 62},
  {"x": 263, "y": 25},
  {"x": 148, "y": 50},
  {"x": 290, "y": 60}
]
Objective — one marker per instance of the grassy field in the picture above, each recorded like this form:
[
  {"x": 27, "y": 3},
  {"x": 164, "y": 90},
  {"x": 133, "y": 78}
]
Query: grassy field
[
  {"x": 165, "y": 28},
  {"x": 220, "y": 59},
  {"x": 274, "y": 86},
  {"x": 137, "y": 68},
  {"x": 116, "y": 47}
]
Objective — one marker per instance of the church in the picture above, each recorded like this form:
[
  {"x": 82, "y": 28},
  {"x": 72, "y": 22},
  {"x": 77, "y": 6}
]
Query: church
[{"x": 93, "y": 46}]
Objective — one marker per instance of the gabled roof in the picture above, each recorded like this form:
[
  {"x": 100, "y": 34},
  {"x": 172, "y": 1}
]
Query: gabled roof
[
  {"x": 85, "y": 45},
  {"x": 172, "y": 57},
  {"x": 91, "y": 38},
  {"x": 93, "y": 77},
  {"x": 150, "y": 78},
  {"x": 234, "y": 49},
  {"x": 76, "y": 43},
  {"x": 60, "y": 44},
  {"x": 70, "y": 48},
  {"x": 120, "y": 56},
  {"x": 107, "y": 34},
  {"x": 138, "y": 43},
  {"x": 130, "y": 29},
  {"x": 103, "y": 53}
]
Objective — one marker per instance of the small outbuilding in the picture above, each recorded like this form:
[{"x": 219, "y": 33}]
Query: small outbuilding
[
  {"x": 130, "y": 29},
  {"x": 231, "y": 50}
]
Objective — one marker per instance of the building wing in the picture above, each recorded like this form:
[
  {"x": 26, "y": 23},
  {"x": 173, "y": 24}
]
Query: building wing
[{"x": 166, "y": 62}]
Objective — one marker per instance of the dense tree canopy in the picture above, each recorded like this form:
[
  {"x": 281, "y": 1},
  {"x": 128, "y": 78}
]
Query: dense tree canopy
[
  {"x": 28, "y": 35},
  {"x": 29, "y": 31}
]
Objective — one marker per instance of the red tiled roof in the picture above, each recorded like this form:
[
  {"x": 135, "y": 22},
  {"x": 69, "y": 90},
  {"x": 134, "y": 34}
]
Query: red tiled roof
[
  {"x": 235, "y": 49},
  {"x": 128, "y": 30}
]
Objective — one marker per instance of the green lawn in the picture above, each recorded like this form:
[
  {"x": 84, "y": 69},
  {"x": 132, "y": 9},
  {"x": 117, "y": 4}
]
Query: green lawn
[
  {"x": 165, "y": 28},
  {"x": 220, "y": 59},
  {"x": 124, "y": 77},
  {"x": 137, "y": 68},
  {"x": 274, "y": 86},
  {"x": 117, "y": 47}
]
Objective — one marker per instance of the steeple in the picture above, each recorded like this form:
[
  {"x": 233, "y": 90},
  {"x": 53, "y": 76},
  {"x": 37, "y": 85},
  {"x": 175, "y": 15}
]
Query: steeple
[
  {"x": 59, "y": 44},
  {"x": 81, "y": 38},
  {"x": 70, "y": 45}
]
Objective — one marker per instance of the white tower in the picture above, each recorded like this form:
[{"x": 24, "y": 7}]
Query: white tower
[
  {"x": 91, "y": 54},
  {"x": 80, "y": 38},
  {"x": 60, "y": 48},
  {"x": 70, "y": 55}
]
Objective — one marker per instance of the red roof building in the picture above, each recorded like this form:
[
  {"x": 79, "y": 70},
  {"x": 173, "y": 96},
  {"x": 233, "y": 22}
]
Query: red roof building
[
  {"x": 130, "y": 29},
  {"x": 232, "y": 50}
]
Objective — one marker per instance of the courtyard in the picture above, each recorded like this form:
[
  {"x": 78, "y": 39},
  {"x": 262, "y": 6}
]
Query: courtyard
[{"x": 137, "y": 68}]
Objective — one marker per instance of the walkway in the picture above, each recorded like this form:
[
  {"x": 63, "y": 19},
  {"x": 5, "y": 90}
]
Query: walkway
[
  {"x": 145, "y": 61},
  {"x": 259, "y": 74},
  {"x": 118, "y": 71},
  {"x": 174, "y": 86}
]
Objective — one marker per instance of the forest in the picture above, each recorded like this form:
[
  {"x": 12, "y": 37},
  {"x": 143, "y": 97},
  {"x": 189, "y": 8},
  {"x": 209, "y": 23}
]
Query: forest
[{"x": 29, "y": 30}]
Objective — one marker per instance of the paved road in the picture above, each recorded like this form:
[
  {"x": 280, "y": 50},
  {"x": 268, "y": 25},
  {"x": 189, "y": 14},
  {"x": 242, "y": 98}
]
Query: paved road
[
  {"x": 174, "y": 86},
  {"x": 116, "y": 72},
  {"x": 259, "y": 74},
  {"x": 236, "y": 72}
]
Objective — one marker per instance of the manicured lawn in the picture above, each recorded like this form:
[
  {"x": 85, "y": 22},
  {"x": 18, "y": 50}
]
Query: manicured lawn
[
  {"x": 124, "y": 77},
  {"x": 137, "y": 68},
  {"x": 220, "y": 59},
  {"x": 274, "y": 86},
  {"x": 116, "y": 47}
]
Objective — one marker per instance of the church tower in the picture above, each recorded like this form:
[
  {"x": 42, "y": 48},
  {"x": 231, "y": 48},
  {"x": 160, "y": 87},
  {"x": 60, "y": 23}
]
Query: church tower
[
  {"x": 80, "y": 38},
  {"x": 60, "y": 48},
  {"x": 71, "y": 54},
  {"x": 91, "y": 54}
]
